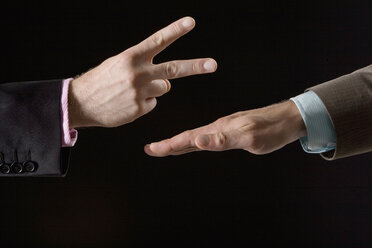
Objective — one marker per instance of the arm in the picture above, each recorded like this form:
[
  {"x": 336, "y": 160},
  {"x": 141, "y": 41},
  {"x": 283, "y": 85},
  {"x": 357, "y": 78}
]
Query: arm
[
  {"x": 69, "y": 135},
  {"x": 124, "y": 87},
  {"x": 118, "y": 91},
  {"x": 30, "y": 143},
  {"x": 321, "y": 136},
  {"x": 346, "y": 100},
  {"x": 258, "y": 131}
]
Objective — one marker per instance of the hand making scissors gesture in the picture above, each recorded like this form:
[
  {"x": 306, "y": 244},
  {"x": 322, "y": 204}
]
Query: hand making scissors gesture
[{"x": 124, "y": 87}]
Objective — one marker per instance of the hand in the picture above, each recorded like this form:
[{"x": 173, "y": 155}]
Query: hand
[
  {"x": 258, "y": 131},
  {"x": 124, "y": 87}
]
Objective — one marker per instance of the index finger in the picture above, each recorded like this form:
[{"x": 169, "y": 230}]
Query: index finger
[{"x": 164, "y": 37}]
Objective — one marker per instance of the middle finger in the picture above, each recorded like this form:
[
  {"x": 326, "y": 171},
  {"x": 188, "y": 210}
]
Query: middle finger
[{"x": 183, "y": 68}]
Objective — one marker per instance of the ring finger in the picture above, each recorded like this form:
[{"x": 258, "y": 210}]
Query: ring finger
[{"x": 157, "y": 88}]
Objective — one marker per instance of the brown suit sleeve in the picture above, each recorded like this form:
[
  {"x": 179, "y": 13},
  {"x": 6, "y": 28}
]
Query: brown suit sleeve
[{"x": 348, "y": 100}]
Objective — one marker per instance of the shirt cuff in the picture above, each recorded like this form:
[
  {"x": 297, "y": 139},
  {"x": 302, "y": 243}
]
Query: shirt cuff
[
  {"x": 321, "y": 136},
  {"x": 69, "y": 135}
]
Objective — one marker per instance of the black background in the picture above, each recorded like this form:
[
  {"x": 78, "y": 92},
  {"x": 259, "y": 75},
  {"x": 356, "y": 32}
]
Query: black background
[{"x": 116, "y": 196}]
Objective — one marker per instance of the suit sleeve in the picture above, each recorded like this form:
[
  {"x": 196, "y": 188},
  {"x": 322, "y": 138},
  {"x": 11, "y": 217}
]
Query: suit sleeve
[
  {"x": 348, "y": 100},
  {"x": 30, "y": 129}
]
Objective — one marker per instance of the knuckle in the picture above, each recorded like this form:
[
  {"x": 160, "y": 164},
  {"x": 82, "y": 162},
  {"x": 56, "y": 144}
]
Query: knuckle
[
  {"x": 157, "y": 38},
  {"x": 187, "y": 133},
  {"x": 176, "y": 29},
  {"x": 198, "y": 67},
  {"x": 237, "y": 114},
  {"x": 171, "y": 70},
  {"x": 221, "y": 119},
  {"x": 220, "y": 122},
  {"x": 220, "y": 139},
  {"x": 195, "y": 68},
  {"x": 129, "y": 56}
]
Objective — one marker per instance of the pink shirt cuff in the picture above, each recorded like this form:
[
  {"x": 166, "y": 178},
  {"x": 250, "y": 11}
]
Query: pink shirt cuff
[{"x": 69, "y": 135}]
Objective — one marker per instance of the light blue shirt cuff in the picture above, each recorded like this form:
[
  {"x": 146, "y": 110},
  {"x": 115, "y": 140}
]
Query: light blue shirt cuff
[{"x": 321, "y": 136}]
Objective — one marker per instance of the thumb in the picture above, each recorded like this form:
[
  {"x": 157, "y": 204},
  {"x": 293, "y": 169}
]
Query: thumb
[{"x": 218, "y": 141}]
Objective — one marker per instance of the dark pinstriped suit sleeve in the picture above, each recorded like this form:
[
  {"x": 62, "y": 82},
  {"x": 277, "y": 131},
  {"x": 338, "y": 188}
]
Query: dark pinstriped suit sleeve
[{"x": 348, "y": 100}]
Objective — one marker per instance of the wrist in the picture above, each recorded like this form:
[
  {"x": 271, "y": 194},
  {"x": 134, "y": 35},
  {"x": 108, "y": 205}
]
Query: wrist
[
  {"x": 294, "y": 120},
  {"x": 288, "y": 125},
  {"x": 74, "y": 114}
]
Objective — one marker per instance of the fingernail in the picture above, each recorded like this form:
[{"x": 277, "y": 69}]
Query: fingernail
[
  {"x": 148, "y": 150},
  {"x": 204, "y": 140},
  {"x": 188, "y": 22},
  {"x": 150, "y": 146},
  {"x": 209, "y": 65}
]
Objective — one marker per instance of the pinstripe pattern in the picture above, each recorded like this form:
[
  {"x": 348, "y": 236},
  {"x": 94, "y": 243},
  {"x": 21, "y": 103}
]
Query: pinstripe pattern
[{"x": 348, "y": 100}]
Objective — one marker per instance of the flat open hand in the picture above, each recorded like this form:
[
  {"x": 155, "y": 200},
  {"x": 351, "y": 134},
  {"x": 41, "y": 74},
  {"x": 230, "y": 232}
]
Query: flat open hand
[
  {"x": 258, "y": 131},
  {"x": 124, "y": 87}
]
